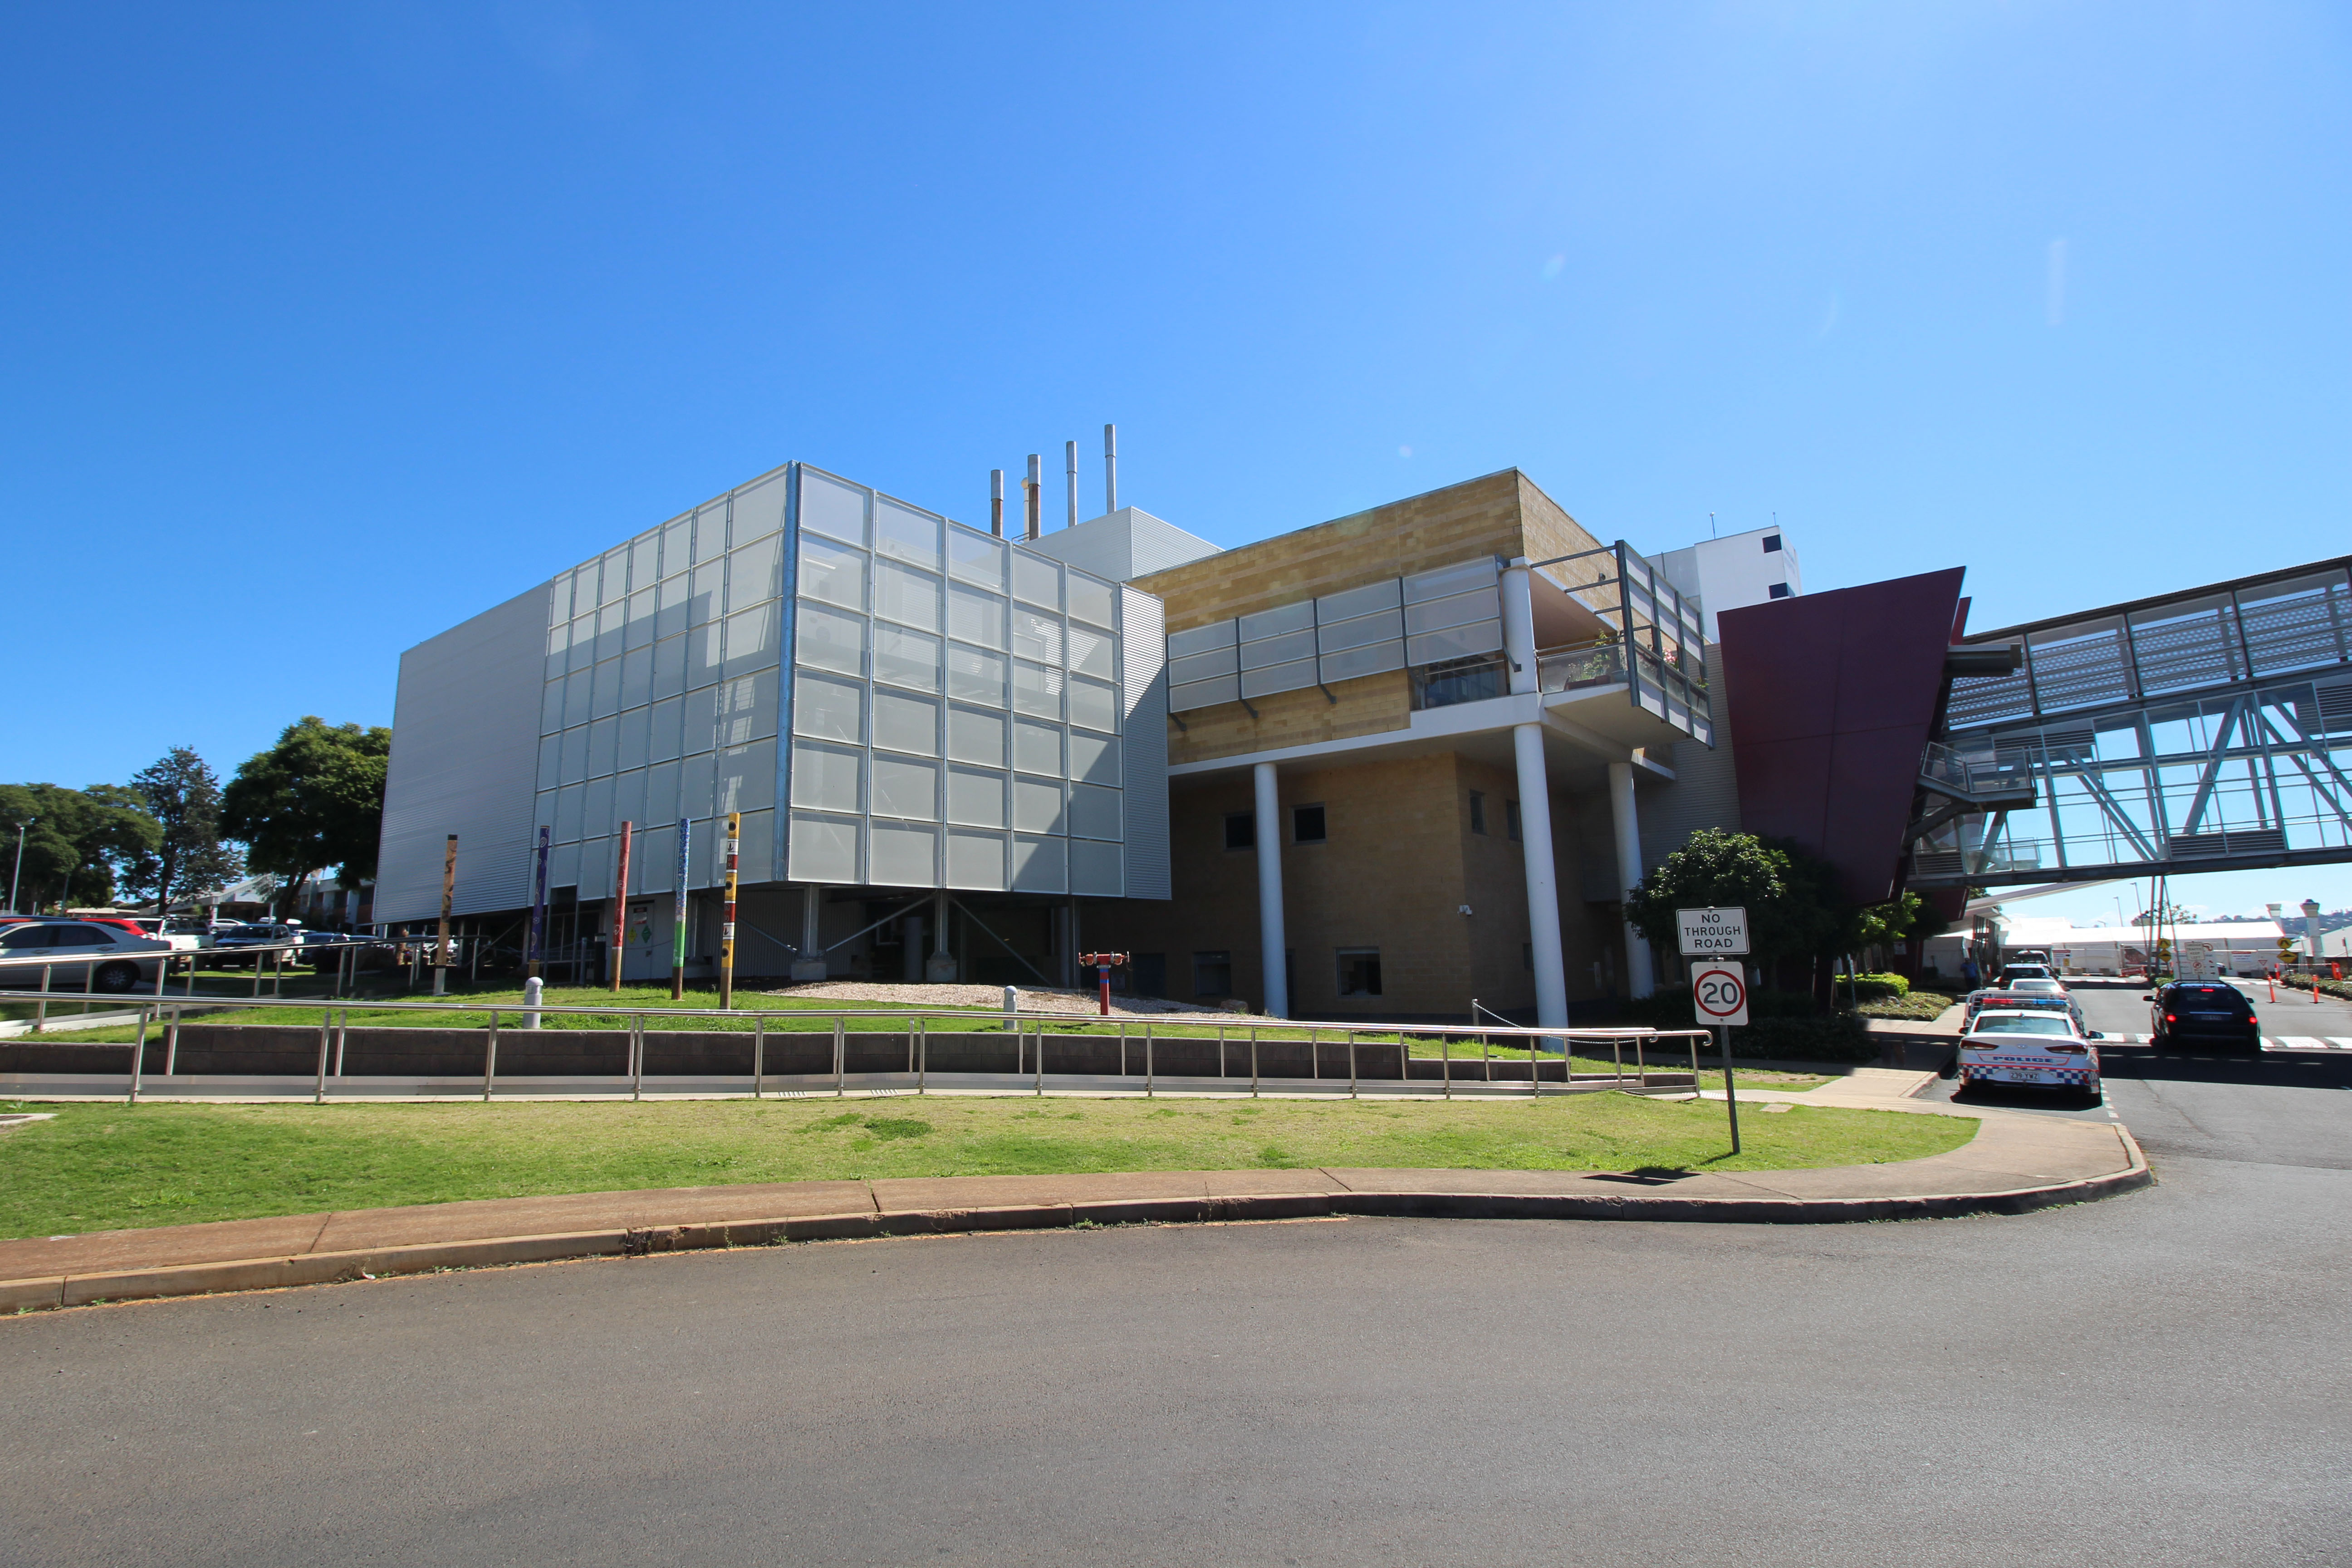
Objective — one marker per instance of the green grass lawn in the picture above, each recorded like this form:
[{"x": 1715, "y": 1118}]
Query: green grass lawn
[{"x": 103, "y": 1167}]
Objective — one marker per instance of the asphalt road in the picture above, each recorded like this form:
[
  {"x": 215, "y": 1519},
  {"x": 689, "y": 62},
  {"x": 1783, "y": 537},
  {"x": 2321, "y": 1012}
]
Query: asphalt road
[{"x": 2159, "y": 1379}]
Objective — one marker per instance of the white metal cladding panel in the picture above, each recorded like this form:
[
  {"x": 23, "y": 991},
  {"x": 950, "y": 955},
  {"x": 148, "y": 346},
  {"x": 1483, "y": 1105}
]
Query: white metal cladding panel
[
  {"x": 465, "y": 757},
  {"x": 1705, "y": 791},
  {"x": 1145, "y": 762},
  {"x": 1157, "y": 545}
]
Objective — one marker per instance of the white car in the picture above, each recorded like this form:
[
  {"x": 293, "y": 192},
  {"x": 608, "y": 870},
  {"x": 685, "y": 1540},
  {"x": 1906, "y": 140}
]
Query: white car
[
  {"x": 2044, "y": 1048},
  {"x": 178, "y": 941},
  {"x": 77, "y": 956}
]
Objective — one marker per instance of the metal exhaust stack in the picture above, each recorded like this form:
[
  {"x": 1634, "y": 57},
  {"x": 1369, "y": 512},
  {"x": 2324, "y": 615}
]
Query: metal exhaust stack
[
  {"x": 997, "y": 502},
  {"x": 1110, "y": 468},
  {"x": 1032, "y": 486},
  {"x": 1070, "y": 472}
]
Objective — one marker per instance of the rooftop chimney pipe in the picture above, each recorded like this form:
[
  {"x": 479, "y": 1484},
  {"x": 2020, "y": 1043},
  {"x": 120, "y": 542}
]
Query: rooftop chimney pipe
[
  {"x": 1070, "y": 469},
  {"x": 1031, "y": 488},
  {"x": 1110, "y": 468},
  {"x": 997, "y": 502}
]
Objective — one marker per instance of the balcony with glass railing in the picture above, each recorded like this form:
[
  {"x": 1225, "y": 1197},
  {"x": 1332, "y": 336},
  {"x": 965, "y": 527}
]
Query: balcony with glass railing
[{"x": 1628, "y": 628}]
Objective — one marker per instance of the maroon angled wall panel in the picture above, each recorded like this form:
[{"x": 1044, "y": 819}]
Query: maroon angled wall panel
[{"x": 1833, "y": 697}]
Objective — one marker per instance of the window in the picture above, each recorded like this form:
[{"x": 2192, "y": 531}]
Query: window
[
  {"x": 1240, "y": 831},
  {"x": 1212, "y": 974},
  {"x": 1306, "y": 824},
  {"x": 1777, "y": 590},
  {"x": 28, "y": 936},
  {"x": 1360, "y": 971},
  {"x": 1511, "y": 819},
  {"x": 1771, "y": 543},
  {"x": 1527, "y": 955},
  {"x": 1477, "y": 812}
]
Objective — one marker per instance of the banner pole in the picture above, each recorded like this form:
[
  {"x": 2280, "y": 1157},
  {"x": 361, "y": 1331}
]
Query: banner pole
[
  {"x": 678, "y": 914},
  {"x": 727, "y": 915}
]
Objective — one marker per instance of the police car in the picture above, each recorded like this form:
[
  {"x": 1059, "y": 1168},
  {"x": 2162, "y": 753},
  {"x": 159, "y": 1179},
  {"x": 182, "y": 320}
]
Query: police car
[{"x": 2028, "y": 1046}]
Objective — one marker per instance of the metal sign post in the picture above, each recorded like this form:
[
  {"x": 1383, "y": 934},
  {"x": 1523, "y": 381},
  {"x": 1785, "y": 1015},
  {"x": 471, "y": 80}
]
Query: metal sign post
[{"x": 1718, "y": 990}]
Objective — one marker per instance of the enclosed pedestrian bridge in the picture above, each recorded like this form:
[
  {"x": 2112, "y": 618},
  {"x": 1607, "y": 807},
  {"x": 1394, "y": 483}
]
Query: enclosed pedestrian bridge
[{"x": 2204, "y": 731}]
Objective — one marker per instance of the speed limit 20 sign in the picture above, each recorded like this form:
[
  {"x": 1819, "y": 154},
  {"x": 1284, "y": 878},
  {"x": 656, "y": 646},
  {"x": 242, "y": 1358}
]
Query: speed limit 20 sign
[{"x": 1720, "y": 993}]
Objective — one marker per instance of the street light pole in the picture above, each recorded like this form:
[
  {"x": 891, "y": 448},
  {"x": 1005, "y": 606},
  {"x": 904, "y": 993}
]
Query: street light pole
[{"x": 17, "y": 875}]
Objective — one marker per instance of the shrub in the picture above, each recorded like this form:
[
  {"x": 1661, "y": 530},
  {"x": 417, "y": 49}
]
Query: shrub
[
  {"x": 1873, "y": 987},
  {"x": 2339, "y": 989},
  {"x": 1785, "y": 1025},
  {"x": 1822, "y": 1038},
  {"x": 1673, "y": 1009},
  {"x": 1924, "y": 1006}
]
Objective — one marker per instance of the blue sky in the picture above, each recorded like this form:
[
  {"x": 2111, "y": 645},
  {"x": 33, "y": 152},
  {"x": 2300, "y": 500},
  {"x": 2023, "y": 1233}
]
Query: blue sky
[{"x": 329, "y": 326}]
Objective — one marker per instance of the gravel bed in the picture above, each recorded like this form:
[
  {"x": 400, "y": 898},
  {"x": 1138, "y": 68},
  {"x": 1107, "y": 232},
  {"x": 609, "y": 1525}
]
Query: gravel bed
[{"x": 1033, "y": 999}]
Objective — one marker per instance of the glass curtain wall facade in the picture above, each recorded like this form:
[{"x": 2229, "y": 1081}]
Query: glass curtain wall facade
[{"x": 890, "y": 697}]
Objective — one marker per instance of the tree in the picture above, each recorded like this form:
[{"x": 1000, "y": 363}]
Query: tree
[
  {"x": 1787, "y": 894},
  {"x": 1795, "y": 912},
  {"x": 79, "y": 843},
  {"x": 1877, "y": 925},
  {"x": 315, "y": 799},
  {"x": 183, "y": 796}
]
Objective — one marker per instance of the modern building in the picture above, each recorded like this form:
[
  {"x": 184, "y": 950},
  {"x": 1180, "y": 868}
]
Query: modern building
[
  {"x": 915, "y": 718},
  {"x": 1750, "y": 568},
  {"x": 1418, "y": 753}
]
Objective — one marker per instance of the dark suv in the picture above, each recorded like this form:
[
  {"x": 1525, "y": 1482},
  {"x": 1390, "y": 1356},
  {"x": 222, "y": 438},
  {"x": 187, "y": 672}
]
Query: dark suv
[{"x": 2203, "y": 1013}]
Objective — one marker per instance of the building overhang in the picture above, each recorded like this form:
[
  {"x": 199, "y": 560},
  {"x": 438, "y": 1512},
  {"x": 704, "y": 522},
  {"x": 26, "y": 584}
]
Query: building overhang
[{"x": 1583, "y": 731}]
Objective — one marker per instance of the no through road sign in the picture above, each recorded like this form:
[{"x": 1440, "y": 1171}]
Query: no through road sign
[
  {"x": 1719, "y": 992},
  {"x": 1713, "y": 932}
]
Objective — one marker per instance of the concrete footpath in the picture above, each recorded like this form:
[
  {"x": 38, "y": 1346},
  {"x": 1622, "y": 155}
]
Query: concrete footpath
[{"x": 2015, "y": 1163}]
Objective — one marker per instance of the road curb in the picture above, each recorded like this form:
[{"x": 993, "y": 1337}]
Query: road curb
[{"x": 334, "y": 1268}]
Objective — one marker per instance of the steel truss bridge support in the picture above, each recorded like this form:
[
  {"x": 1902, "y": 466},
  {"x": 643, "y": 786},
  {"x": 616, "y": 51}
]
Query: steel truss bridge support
[{"x": 2167, "y": 736}]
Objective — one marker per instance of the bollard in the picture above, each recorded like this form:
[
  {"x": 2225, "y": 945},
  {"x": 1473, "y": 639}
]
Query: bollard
[
  {"x": 532, "y": 989},
  {"x": 490, "y": 1056},
  {"x": 138, "y": 1055},
  {"x": 318, "y": 1094}
]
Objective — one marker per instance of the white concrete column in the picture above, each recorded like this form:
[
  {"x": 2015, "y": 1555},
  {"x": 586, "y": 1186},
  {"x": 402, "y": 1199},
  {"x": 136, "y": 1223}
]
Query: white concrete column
[
  {"x": 1638, "y": 979},
  {"x": 1535, "y": 804},
  {"x": 941, "y": 967},
  {"x": 1269, "y": 892},
  {"x": 1519, "y": 626},
  {"x": 1543, "y": 893},
  {"x": 808, "y": 963}
]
